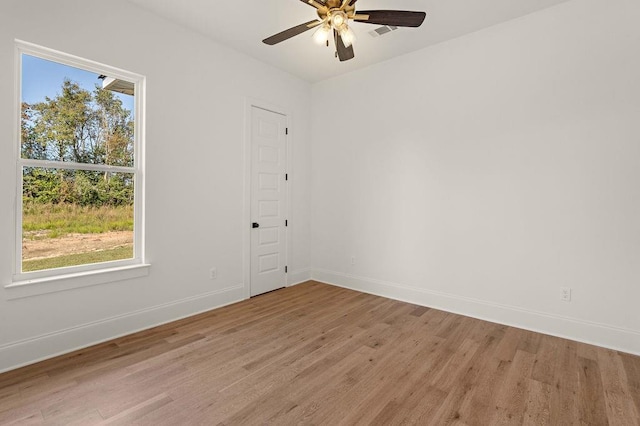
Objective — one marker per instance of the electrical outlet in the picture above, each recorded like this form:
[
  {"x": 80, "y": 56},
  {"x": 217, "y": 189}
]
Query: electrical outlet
[
  {"x": 353, "y": 260},
  {"x": 565, "y": 294},
  {"x": 213, "y": 273}
]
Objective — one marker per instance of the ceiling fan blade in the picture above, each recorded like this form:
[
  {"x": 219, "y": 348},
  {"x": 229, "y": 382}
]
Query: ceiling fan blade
[
  {"x": 291, "y": 32},
  {"x": 396, "y": 18},
  {"x": 344, "y": 53},
  {"x": 318, "y": 4}
]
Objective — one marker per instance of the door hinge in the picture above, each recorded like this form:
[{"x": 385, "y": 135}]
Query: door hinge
[
  {"x": 286, "y": 222},
  {"x": 286, "y": 130},
  {"x": 286, "y": 269},
  {"x": 286, "y": 176}
]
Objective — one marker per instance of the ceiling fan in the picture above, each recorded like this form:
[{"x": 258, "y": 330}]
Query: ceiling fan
[{"x": 335, "y": 15}]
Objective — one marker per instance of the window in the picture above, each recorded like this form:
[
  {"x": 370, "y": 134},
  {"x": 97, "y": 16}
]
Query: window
[{"x": 79, "y": 161}]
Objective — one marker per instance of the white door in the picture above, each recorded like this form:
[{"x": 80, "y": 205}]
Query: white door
[{"x": 268, "y": 200}]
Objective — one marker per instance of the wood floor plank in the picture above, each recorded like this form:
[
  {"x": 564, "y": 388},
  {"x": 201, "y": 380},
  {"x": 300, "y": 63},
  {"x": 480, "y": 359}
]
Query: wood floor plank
[
  {"x": 481, "y": 405},
  {"x": 379, "y": 368},
  {"x": 508, "y": 344},
  {"x": 319, "y": 354},
  {"x": 512, "y": 398},
  {"x": 529, "y": 341},
  {"x": 457, "y": 406},
  {"x": 138, "y": 411},
  {"x": 619, "y": 402},
  {"x": 566, "y": 384},
  {"x": 402, "y": 393},
  {"x": 27, "y": 414},
  {"x": 537, "y": 408},
  {"x": 544, "y": 368},
  {"x": 593, "y": 406},
  {"x": 396, "y": 399},
  {"x": 632, "y": 370}
]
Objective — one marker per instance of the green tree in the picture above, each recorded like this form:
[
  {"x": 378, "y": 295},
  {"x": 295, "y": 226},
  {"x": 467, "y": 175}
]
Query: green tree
[
  {"x": 77, "y": 126},
  {"x": 115, "y": 129}
]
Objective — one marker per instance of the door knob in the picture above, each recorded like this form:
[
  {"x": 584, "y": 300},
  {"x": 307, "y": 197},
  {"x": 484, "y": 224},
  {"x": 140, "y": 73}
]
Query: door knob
[{"x": 255, "y": 225}]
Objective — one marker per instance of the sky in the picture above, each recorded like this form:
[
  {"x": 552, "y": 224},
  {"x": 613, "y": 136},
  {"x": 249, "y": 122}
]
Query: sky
[{"x": 42, "y": 78}]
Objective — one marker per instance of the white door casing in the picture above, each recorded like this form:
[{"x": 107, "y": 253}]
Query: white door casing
[{"x": 268, "y": 201}]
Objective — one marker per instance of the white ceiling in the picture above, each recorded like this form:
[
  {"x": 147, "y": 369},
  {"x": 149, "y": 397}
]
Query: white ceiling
[{"x": 242, "y": 25}]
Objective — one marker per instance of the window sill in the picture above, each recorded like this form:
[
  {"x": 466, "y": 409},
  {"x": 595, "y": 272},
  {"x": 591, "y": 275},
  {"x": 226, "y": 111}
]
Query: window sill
[{"x": 39, "y": 286}]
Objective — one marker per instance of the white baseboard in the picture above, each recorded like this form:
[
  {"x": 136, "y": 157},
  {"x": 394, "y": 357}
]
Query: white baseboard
[
  {"x": 25, "y": 352},
  {"x": 298, "y": 277},
  {"x": 29, "y": 351},
  {"x": 621, "y": 339}
]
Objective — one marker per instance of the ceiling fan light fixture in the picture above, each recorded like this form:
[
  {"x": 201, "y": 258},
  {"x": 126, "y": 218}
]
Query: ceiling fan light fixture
[
  {"x": 338, "y": 19},
  {"x": 321, "y": 36},
  {"x": 347, "y": 35}
]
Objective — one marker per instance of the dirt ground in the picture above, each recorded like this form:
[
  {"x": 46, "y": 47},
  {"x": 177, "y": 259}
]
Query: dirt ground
[{"x": 74, "y": 244}]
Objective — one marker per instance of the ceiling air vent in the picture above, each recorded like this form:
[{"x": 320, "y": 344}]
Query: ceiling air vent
[{"x": 385, "y": 29}]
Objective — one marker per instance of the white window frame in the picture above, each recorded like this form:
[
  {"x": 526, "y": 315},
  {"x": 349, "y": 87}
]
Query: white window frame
[{"x": 87, "y": 274}]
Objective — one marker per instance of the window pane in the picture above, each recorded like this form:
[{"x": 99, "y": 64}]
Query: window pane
[
  {"x": 73, "y": 115},
  {"x": 75, "y": 217}
]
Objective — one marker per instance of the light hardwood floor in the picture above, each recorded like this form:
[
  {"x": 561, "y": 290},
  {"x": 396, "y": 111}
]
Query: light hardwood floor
[{"x": 318, "y": 354}]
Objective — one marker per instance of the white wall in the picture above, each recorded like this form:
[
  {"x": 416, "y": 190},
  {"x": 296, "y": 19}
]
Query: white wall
[
  {"x": 196, "y": 91},
  {"x": 482, "y": 174}
]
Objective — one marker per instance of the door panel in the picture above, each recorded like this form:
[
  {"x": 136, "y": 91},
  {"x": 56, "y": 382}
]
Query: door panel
[{"x": 268, "y": 201}]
